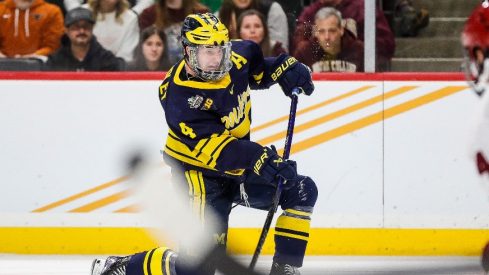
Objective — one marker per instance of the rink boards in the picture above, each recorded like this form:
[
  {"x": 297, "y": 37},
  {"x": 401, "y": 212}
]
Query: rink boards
[{"x": 386, "y": 150}]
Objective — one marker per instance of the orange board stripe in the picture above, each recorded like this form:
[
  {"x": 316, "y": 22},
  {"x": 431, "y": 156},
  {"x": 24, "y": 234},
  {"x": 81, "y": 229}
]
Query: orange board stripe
[
  {"x": 102, "y": 202},
  {"x": 83, "y": 194},
  {"x": 284, "y": 118},
  {"x": 366, "y": 121},
  {"x": 337, "y": 114},
  {"x": 300, "y": 146},
  {"x": 129, "y": 209}
]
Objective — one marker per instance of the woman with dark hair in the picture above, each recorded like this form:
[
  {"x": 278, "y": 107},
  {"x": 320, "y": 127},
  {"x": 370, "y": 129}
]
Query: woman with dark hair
[
  {"x": 274, "y": 13},
  {"x": 252, "y": 25},
  {"x": 151, "y": 54},
  {"x": 168, "y": 15}
]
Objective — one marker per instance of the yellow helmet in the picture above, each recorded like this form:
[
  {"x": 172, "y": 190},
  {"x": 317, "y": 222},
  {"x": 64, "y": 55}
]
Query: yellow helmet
[{"x": 205, "y": 30}]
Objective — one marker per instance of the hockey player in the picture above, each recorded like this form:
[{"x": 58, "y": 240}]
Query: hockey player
[
  {"x": 475, "y": 40},
  {"x": 206, "y": 99}
]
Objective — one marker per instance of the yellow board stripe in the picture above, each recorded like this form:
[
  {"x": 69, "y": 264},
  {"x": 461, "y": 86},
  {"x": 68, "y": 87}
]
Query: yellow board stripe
[{"x": 322, "y": 241}]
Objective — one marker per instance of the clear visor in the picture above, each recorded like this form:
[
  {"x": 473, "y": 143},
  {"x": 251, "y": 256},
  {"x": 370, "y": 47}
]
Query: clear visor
[
  {"x": 476, "y": 68},
  {"x": 211, "y": 62}
]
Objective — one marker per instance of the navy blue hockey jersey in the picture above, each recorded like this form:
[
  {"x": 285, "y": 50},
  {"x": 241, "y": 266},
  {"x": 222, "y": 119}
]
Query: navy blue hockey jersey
[{"x": 209, "y": 122}]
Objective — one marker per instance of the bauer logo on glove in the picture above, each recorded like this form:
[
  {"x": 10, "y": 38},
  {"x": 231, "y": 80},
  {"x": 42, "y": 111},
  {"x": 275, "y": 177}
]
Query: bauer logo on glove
[
  {"x": 283, "y": 67},
  {"x": 269, "y": 165},
  {"x": 290, "y": 74}
]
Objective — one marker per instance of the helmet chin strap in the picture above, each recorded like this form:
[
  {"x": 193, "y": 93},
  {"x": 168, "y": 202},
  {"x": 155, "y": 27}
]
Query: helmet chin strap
[{"x": 191, "y": 74}]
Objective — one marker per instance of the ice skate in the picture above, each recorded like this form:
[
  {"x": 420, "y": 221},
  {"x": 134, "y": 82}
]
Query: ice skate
[
  {"x": 284, "y": 269},
  {"x": 113, "y": 265}
]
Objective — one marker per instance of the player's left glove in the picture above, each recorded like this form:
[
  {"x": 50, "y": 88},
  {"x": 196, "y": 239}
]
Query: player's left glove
[
  {"x": 290, "y": 74},
  {"x": 268, "y": 164}
]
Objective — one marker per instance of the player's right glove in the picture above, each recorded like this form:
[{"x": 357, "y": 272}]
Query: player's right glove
[{"x": 268, "y": 164}]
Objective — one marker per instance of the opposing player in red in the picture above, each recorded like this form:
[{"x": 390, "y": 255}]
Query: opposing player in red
[{"x": 475, "y": 40}]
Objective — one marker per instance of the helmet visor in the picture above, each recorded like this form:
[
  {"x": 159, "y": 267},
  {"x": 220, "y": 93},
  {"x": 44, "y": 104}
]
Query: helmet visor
[{"x": 211, "y": 62}]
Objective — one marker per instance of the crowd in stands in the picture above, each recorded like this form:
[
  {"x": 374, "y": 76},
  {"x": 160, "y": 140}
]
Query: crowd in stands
[{"x": 144, "y": 35}]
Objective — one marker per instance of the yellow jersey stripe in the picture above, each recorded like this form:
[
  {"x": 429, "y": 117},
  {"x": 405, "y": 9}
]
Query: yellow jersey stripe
[
  {"x": 220, "y": 84},
  {"x": 197, "y": 191},
  {"x": 299, "y": 213},
  {"x": 292, "y": 236},
  {"x": 155, "y": 261},
  {"x": 294, "y": 224}
]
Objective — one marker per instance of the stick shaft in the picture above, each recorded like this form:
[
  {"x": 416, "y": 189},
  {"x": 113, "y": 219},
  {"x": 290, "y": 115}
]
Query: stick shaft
[{"x": 278, "y": 190}]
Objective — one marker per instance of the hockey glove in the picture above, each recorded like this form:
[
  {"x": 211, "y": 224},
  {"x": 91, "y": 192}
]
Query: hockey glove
[
  {"x": 267, "y": 164},
  {"x": 290, "y": 74}
]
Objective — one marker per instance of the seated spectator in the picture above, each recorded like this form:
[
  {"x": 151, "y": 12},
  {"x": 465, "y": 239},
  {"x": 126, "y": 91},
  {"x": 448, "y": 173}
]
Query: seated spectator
[
  {"x": 29, "y": 28},
  {"x": 151, "y": 54},
  {"x": 412, "y": 20},
  {"x": 80, "y": 50},
  {"x": 353, "y": 13},
  {"x": 137, "y": 6},
  {"x": 169, "y": 15},
  {"x": 116, "y": 27},
  {"x": 275, "y": 15},
  {"x": 330, "y": 49},
  {"x": 253, "y": 26}
]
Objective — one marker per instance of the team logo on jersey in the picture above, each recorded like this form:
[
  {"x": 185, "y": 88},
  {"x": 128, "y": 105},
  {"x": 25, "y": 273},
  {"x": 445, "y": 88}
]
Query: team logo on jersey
[{"x": 195, "y": 101}]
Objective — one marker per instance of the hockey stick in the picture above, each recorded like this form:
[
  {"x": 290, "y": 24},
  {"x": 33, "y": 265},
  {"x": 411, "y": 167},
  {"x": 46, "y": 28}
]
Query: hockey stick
[{"x": 278, "y": 190}]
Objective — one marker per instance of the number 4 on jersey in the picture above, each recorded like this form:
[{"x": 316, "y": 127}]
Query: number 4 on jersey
[{"x": 187, "y": 130}]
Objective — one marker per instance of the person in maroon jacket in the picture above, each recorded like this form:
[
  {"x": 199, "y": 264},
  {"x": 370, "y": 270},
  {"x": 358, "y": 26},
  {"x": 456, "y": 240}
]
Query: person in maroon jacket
[
  {"x": 330, "y": 49},
  {"x": 353, "y": 12}
]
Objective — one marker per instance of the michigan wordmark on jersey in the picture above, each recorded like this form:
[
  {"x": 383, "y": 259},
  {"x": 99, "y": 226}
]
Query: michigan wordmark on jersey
[{"x": 206, "y": 119}]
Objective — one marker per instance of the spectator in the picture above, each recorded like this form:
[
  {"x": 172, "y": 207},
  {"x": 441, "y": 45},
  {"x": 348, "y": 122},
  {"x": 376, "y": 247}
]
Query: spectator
[
  {"x": 168, "y": 15},
  {"x": 329, "y": 49},
  {"x": 137, "y": 6},
  {"x": 292, "y": 9},
  {"x": 29, "y": 28},
  {"x": 80, "y": 50},
  {"x": 275, "y": 15},
  {"x": 116, "y": 27},
  {"x": 151, "y": 54},
  {"x": 353, "y": 13},
  {"x": 411, "y": 19},
  {"x": 253, "y": 26}
]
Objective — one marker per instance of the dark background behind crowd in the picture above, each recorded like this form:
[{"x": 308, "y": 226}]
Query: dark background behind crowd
[{"x": 144, "y": 35}]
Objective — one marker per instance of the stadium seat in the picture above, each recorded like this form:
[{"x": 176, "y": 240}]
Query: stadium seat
[{"x": 20, "y": 64}]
